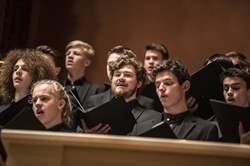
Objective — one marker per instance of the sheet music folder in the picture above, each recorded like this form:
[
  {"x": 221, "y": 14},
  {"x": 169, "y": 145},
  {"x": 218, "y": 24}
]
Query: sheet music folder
[
  {"x": 205, "y": 85},
  {"x": 228, "y": 117},
  {"x": 116, "y": 113},
  {"x": 25, "y": 120},
  {"x": 160, "y": 130}
]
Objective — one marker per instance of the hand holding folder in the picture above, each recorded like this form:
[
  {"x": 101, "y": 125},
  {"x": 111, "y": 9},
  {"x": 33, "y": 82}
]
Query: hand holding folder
[
  {"x": 205, "y": 85},
  {"x": 229, "y": 116},
  {"x": 116, "y": 113}
]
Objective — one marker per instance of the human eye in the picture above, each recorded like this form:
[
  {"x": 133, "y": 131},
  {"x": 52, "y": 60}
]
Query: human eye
[
  {"x": 157, "y": 84},
  {"x": 44, "y": 98},
  {"x": 236, "y": 87},
  {"x": 25, "y": 68},
  {"x": 34, "y": 99},
  {"x": 67, "y": 53},
  {"x": 77, "y": 54},
  {"x": 117, "y": 74},
  {"x": 168, "y": 82},
  {"x": 128, "y": 75},
  {"x": 147, "y": 58},
  {"x": 16, "y": 67},
  {"x": 155, "y": 58},
  {"x": 226, "y": 88}
]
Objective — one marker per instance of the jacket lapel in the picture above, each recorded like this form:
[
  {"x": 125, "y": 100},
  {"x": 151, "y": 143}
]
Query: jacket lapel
[
  {"x": 83, "y": 91},
  {"x": 185, "y": 128}
]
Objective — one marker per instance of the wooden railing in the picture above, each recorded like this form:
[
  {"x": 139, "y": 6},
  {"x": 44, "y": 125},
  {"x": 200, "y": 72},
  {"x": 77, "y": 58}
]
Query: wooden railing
[{"x": 61, "y": 149}]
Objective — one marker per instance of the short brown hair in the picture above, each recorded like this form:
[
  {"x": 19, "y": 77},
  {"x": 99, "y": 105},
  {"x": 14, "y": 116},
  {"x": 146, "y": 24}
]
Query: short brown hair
[
  {"x": 122, "y": 61},
  {"x": 121, "y": 50}
]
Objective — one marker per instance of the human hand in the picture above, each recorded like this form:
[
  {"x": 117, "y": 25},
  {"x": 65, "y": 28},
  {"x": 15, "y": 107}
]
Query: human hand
[
  {"x": 244, "y": 136},
  {"x": 99, "y": 129}
]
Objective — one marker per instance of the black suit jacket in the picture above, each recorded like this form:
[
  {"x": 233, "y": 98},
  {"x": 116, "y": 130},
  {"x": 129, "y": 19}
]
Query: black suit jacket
[
  {"x": 83, "y": 89},
  {"x": 195, "y": 128}
]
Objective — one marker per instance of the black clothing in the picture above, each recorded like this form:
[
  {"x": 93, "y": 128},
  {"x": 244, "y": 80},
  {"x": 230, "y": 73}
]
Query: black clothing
[
  {"x": 9, "y": 111},
  {"x": 82, "y": 89},
  {"x": 145, "y": 118},
  {"x": 61, "y": 127},
  {"x": 101, "y": 98},
  {"x": 149, "y": 90},
  {"x": 187, "y": 126}
]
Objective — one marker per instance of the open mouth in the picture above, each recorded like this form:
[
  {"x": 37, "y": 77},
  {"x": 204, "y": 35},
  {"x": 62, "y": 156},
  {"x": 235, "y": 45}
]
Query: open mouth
[
  {"x": 39, "y": 112},
  {"x": 69, "y": 63},
  {"x": 163, "y": 96},
  {"x": 121, "y": 85},
  {"x": 230, "y": 100},
  {"x": 17, "y": 79},
  {"x": 151, "y": 68}
]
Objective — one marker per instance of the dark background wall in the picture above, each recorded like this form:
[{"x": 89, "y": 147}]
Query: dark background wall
[{"x": 191, "y": 29}]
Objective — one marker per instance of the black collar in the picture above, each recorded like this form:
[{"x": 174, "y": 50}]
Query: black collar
[
  {"x": 175, "y": 119},
  {"x": 77, "y": 82}
]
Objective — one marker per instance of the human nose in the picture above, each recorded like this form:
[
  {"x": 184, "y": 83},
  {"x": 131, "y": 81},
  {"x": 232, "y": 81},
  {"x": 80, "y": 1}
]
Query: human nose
[
  {"x": 230, "y": 91},
  {"x": 151, "y": 60},
  {"x": 37, "y": 103},
  {"x": 121, "y": 77},
  {"x": 70, "y": 54},
  {"x": 18, "y": 71},
  {"x": 161, "y": 87}
]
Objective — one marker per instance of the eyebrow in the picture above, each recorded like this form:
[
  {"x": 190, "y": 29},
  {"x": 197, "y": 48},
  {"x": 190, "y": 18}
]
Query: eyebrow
[
  {"x": 165, "y": 79},
  {"x": 237, "y": 83}
]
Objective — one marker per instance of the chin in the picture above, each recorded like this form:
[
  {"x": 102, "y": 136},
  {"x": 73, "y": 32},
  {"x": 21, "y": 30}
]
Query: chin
[{"x": 119, "y": 93}]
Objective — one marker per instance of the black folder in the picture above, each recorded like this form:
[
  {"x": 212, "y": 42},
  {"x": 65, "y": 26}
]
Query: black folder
[
  {"x": 228, "y": 117},
  {"x": 13, "y": 109},
  {"x": 117, "y": 113},
  {"x": 25, "y": 120},
  {"x": 205, "y": 85},
  {"x": 160, "y": 130}
]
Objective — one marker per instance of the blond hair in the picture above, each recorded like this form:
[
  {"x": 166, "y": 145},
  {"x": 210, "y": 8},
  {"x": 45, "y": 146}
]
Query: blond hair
[
  {"x": 59, "y": 92},
  {"x": 86, "y": 48}
]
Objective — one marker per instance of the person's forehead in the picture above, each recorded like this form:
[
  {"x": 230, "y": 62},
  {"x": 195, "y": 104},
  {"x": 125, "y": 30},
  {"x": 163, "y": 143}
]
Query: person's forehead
[
  {"x": 233, "y": 80},
  {"x": 78, "y": 49},
  {"x": 126, "y": 68},
  {"x": 44, "y": 89},
  {"x": 165, "y": 75},
  {"x": 154, "y": 53},
  {"x": 20, "y": 62}
]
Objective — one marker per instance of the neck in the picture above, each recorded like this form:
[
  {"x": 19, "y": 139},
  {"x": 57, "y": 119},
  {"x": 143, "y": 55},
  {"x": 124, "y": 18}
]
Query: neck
[
  {"x": 130, "y": 98},
  {"x": 54, "y": 123},
  {"x": 73, "y": 76},
  {"x": 20, "y": 94},
  {"x": 150, "y": 78},
  {"x": 177, "y": 109}
]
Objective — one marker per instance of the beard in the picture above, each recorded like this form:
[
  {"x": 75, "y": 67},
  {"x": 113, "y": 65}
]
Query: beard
[{"x": 123, "y": 93}]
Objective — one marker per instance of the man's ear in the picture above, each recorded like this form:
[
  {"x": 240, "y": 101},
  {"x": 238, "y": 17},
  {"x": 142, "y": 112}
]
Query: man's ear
[
  {"x": 87, "y": 63},
  {"x": 186, "y": 85},
  {"x": 61, "y": 104},
  {"x": 139, "y": 84},
  {"x": 58, "y": 70},
  {"x": 248, "y": 92}
]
